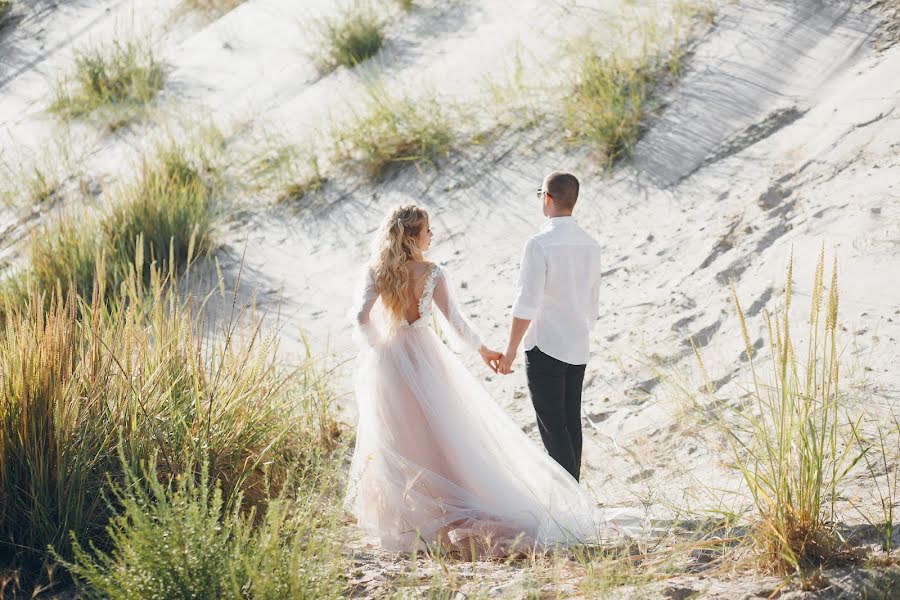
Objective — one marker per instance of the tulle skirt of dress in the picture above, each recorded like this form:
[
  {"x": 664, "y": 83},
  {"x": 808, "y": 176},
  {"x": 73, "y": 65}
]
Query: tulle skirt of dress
[{"x": 438, "y": 461}]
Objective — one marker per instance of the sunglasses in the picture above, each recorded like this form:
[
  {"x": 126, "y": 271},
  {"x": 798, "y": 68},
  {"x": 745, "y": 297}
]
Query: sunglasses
[{"x": 541, "y": 192}]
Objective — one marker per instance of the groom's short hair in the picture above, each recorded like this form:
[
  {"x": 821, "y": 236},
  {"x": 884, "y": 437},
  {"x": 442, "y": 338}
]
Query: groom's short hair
[{"x": 563, "y": 188}]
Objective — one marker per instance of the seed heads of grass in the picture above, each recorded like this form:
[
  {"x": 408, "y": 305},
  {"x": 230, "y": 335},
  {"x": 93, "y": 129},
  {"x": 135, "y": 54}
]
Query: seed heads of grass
[{"x": 792, "y": 445}]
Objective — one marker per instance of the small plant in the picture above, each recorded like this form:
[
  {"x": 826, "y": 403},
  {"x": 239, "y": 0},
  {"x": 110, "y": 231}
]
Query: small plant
[
  {"x": 392, "y": 130},
  {"x": 300, "y": 189},
  {"x": 609, "y": 104},
  {"x": 290, "y": 173},
  {"x": 183, "y": 541},
  {"x": 792, "y": 451},
  {"x": 5, "y": 7},
  {"x": 122, "y": 76},
  {"x": 37, "y": 179},
  {"x": 355, "y": 36}
]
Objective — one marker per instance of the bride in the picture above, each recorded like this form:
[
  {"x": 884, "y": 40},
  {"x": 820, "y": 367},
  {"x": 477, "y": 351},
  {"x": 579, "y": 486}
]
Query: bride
[{"x": 437, "y": 462}]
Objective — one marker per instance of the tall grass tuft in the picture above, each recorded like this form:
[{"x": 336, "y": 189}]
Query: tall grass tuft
[
  {"x": 163, "y": 217},
  {"x": 121, "y": 75},
  {"x": 793, "y": 447},
  {"x": 88, "y": 379},
  {"x": 614, "y": 93},
  {"x": 353, "y": 37},
  {"x": 393, "y": 130},
  {"x": 609, "y": 103}
]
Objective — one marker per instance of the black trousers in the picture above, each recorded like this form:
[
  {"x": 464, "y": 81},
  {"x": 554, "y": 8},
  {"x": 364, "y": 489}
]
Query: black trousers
[{"x": 555, "y": 388}]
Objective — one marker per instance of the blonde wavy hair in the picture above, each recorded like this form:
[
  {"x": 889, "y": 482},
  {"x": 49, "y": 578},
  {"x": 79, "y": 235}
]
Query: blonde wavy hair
[{"x": 396, "y": 247}]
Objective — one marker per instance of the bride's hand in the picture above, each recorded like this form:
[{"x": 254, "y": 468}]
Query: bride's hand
[{"x": 490, "y": 357}]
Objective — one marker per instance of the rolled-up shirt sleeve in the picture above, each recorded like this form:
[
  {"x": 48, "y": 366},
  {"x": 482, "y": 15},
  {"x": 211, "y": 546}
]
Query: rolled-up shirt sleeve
[{"x": 532, "y": 274}]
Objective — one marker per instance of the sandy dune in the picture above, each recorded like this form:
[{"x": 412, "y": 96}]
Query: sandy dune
[{"x": 782, "y": 135}]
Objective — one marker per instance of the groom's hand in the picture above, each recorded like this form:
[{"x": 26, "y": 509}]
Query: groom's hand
[
  {"x": 505, "y": 363},
  {"x": 490, "y": 357}
]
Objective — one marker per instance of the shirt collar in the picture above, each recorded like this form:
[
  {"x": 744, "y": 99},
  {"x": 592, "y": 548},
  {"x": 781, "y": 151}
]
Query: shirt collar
[{"x": 557, "y": 221}]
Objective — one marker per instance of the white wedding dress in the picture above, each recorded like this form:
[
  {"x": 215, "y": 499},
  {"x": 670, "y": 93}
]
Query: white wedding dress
[{"x": 437, "y": 460}]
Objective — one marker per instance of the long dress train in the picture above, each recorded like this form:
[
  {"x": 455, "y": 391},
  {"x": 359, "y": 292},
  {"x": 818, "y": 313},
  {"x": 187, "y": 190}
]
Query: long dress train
[{"x": 437, "y": 460}]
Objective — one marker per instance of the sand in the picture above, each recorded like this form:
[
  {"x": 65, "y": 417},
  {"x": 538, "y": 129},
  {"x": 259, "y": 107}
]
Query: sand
[{"x": 782, "y": 136}]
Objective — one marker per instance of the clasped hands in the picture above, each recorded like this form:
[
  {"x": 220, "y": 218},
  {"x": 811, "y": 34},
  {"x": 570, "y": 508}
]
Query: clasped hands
[{"x": 497, "y": 361}]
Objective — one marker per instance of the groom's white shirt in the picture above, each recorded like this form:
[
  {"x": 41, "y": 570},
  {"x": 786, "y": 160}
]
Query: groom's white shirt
[{"x": 559, "y": 290}]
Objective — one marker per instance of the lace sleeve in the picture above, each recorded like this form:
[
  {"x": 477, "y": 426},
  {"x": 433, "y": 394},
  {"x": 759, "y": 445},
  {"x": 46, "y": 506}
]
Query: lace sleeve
[
  {"x": 368, "y": 334},
  {"x": 459, "y": 325}
]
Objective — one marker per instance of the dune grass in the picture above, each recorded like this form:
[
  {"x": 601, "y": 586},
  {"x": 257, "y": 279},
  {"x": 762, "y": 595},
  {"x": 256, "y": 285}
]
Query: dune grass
[
  {"x": 290, "y": 173},
  {"x": 164, "y": 217},
  {"x": 616, "y": 90},
  {"x": 612, "y": 99},
  {"x": 354, "y": 36},
  {"x": 391, "y": 130},
  {"x": 95, "y": 390},
  {"x": 37, "y": 178},
  {"x": 122, "y": 77},
  {"x": 793, "y": 445}
]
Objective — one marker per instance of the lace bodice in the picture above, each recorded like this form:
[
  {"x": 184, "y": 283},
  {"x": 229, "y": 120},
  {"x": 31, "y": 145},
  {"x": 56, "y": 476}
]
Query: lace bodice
[{"x": 436, "y": 291}]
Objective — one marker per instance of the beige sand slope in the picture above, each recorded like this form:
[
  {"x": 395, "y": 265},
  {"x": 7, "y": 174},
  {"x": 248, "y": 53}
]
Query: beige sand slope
[{"x": 784, "y": 133}]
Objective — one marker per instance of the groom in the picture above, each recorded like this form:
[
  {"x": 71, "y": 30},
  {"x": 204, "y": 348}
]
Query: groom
[{"x": 558, "y": 297}]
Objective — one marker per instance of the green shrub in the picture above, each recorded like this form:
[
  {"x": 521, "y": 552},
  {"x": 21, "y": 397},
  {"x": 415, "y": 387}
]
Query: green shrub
[
  {"x": 182, "y": 541},
  {"x": 86, "y": 378}
]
